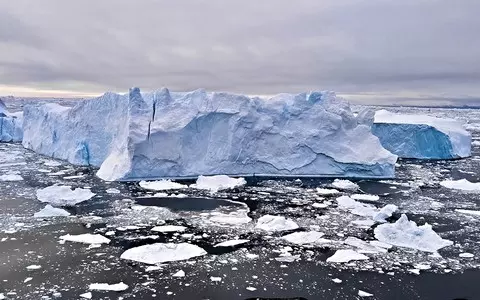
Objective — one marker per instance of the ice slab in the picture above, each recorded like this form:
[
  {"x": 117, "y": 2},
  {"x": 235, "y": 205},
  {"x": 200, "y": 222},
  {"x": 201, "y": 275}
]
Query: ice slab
[
  {"x": 85, "y": 238},
  {"x": 217, "y": 183},
  {"x": 422, "y": 136},
  {"x": 117, "y": 287},
  {"x": 162, "y": 252},
  {"x": 405, "y": 233},
  {"x": 63, "y": 195},
  {"x": 462, "y": 184},
  {"x": 161, "y": 185},
  {"x": 231, "y": 243},
  {"x": 165, "y": 135},
  {"x": 11, "y": 177},
  {"x": 305, "y": 237},
  {"x": 275, "y": 223},
  {"x": 345, "y": 256},
  {"x": 50, "y": 211},
  {"x": 345, "y": 184}
]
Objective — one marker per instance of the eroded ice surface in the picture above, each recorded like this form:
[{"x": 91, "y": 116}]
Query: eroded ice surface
[
  {"x": 63, "y": 195},
  {"x": 405, "y": 233},
  {"x": 162, "y": 134},
  {"x": 162, "y": 252},
  {"x": 11, "y": 125},
  {"x": 422, "y": 136}
]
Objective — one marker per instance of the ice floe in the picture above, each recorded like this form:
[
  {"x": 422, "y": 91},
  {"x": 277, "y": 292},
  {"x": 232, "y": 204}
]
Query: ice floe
[
  {"x": 305, "y": 237},
  {"x": 85, "y": 238},
  {"x": 365, "y": 197},
  {"x": 275, "y": 223},
  {"x": 231, "y": 243},
  {"x": 346, "y": 255},
  {"x": 405, "y": 233},
  {"x": 217, "y": 183},
  {"x": 50, "y": 211},
  {"x": 469, "y": 212},
  {"x": 11, "y": 177},
  {"x": 345, "y": 184},
  {"x": 161, "y": 185},
  {"x": 364, "y": 294},
  {"x": 63, "y": 195},
  {"x": 322, "y": 191},
  {"x": 162, "y": 252},
  {"x": 117, "y": 287},
  {"x": 169, "y": 228},
  {"x": 462, "y": 184}
]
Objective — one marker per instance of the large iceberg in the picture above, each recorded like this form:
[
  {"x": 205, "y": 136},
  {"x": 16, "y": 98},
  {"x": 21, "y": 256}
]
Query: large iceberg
[
  {"x": 163, "y": 134},
  {"x": 422, "y": 136},
  {"x": 10, "y": 125}
]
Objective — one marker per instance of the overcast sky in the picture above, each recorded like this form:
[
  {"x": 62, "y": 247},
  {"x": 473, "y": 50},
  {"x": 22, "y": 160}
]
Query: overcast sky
[{"x": 373, "y": 51}]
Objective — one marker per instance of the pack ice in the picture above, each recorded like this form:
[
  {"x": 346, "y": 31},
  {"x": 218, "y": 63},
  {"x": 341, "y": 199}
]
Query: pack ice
[
  {"x": 162, "y": 134},
  {"x": 422, "y": 136},
  {"x": 10, "y": 125}
]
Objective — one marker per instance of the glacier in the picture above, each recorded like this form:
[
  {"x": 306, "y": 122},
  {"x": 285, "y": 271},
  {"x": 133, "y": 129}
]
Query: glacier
[
  {"x": 422, "y": 136},
  {"x": 11, "y": 125},
  {"x": 165, "y": 134}
]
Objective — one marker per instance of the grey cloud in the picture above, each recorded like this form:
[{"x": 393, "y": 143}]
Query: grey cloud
[{"x": 255, "y": 47}]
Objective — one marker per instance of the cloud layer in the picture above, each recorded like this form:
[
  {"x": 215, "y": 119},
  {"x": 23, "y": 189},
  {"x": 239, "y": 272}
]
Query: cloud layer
[{"x": 411, "y": 49}]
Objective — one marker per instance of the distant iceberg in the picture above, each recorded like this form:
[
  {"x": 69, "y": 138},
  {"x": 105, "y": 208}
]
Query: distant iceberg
[
  {"x": 170, "y": 135},
  {"x": 421, "y": 136},
  {"x": 10, "y": 125}
]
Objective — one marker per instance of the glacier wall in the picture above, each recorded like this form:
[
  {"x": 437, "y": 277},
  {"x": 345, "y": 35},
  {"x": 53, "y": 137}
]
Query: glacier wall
[
  {"x": 421, "y": 136},
  {"x": 11, "y": 125},
  {"x": 169, "y": 135}
]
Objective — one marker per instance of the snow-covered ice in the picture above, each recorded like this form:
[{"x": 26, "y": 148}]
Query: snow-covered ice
[
  {"x": 63, "y": 195},
  {"x": 422, "y": 136},
  {"x": 462, "y": 184},
  {"x": 217, "y": 183},
  {"x": 162, "y": 252},
  {"x": 85, "y": 238},
  {"x": 345, "y": 256},
  {"x": 405, "y": 233},
  {"x": 11, "y": 177},
  {"x": 169, "y": 228},
  {"x": 202, "y": 133},
  {"x": 305, "y": 237},
  {"x": 50, "y": 211},
  {"x": 117, "y": 287},
  {"x": 161, "y": 185},
  {"x": 322, "y": 191},
  {"x": 275, "y": 223},
  {"x": 345, "y": 184},
  {"x": 231, "y": 243}
]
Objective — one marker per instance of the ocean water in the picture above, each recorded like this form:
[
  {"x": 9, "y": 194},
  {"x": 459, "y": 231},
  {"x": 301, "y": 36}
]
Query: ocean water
[{"x": 266, "y": 266}]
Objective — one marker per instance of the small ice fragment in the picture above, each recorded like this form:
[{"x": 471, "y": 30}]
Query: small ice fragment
[
  {"x": 364, "y": 294},
  {"x": 346, "y": 255},
  {"x": 231, "y": 243},
  {"x": 327, "y": 191},
  {"x": 161, "y": 185},
  {"x": 162, "y": 252},
  {"x": 34, "y": 267},
  {"x": 215, "y": 279},
  {"x": 63, "y": 195},
  {"x": 469, "y": 212},
  {"x": 466, "y": 255},
  {"x": 462, "y": 184},
  {"x": 169, "y": 228},
  {"x": 27, "y": 279},
  {"x": 86, "y": 295},
  {"x": 275, "y": 223},
  {"x": 345, "y": 184},
  {"x": 11, "y": 177},
  {"x": 50, "y": 211},
  {"x": 217, "y": 183},
  {"x": 337, "y": 280},
  {"x": 117, "y": 287},
  {"x": 365, "y": 197},
  {"x": 251, "y": 288},
  {"x": 86, "y": 238},
  {"x": 414, "y": 271},
  {"x": 305, "y": 237},
  {"x": 113, "y": 191},
  {"x": 180, "y": 273}
]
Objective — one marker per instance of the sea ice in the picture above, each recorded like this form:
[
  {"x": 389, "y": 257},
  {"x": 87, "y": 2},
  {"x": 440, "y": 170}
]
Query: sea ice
[
  {"x": 50, "y": 211},
  {"x": 365, "y": 197},
  {"x": 164, "y": 135},
  {"x": 161, "y": 185},
  {"x": 327, "y": 191},
  {"x": 345, "y": 256},
  {"x": 275, "y": 223},
  {"x": 366, "y": 210},
  {"x": 86, "y": 295},
  {"x": 162, "y": 252},
  {"x": 405, "y": 233},
  {"x": 180, "y": 273},
  {"x": 11, "y": 177},
  {"x": 86, "y": 238},
  {"x": 364, "y": 294},
  {"x": 217, "y": 183},
  {"x": 469, "y": 212},
  {"x": 462, "y": 184},
  {"x": 63, "y": 195},
  {"x": 169, "y": 228},
  {"x": 117, "y": 287},
  {"x": 231, "y": 243},
  {"x": 421, "y": 136},
  {"x": 305, "y": 237},
  {"x": 345, "y": 184}
]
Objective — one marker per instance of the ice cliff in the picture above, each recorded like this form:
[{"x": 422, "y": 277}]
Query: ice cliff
[
  {"x": 10, "y": 125},
  {"x": 164, "y": 134},
  {"x": 421, "y": 136}
]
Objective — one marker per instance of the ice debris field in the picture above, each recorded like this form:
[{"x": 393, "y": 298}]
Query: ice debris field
[{"x": 241, "y": 236}]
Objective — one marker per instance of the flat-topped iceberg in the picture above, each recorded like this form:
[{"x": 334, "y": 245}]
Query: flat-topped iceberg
[
  {"x": 170, "y": 135},
  {"x": 10, "y": 125},
  {"x": 421, "y": 136}
]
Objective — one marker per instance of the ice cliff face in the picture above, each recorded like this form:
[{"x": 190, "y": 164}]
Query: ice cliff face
[
  {"x": 10, "y": 125},
  {"x": 163, "y": 134},
  {"x": 421, "y": 136}
]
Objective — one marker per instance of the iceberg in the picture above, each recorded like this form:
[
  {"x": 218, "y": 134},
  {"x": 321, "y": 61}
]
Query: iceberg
[
  {"x": 422, "y": 136},
  {"x": 162, "y": 134},
  {"x": 11, "y": 125}
]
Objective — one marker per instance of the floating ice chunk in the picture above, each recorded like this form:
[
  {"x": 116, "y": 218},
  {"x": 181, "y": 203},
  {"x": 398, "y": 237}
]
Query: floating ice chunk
[
  {"x": 380, "y": 244},
  {"x": 169, "y": 228},
  {"x": 63, "y": 195},
  {"x": 364, "y": 294},
  {"x": 421, "y": 136},
  {"x": 231, "y": 243},
  {"x": 365, "y": 197},
  {"x": 462, "y": 184},
  {"x": 11, "y": 177},
  {"x": 85, "y": 238},
  {"x": 366, "y": 210},
  {"x": 162, "y": 252},
  {"x": 305, "y": 237},
  {"x": 162, "y": 134},
  {"x": 476, "y": 143},
  {"x": 345, "y": 184},
  {"x": 161, "y": 185},
  {"x": 217, "y": 183},
  {"x": 33, "y": 267},
  {"x": 117, "y": 287},
  {"x": 363, "y": 246},
  {"x": 327, "y": 191},
  {"x": 180, "y": 273},
  {"x": 337, "y": 280},
  {"x": 11, "y": 125},
  {"x": 469, "y": 212},
  {"x": 86, "y": 295},
  {"x": 405, "y": 233},
  {"x": 50, "y": 211},
  {"x": 466, "y": 255},
  {"x": 275, "y": 223},
  {"x": 385, "y": 213},
  {"x": 215, "y": 279},
  {"x": 233, "y": 218},
  {"x": 363, "y": 223},
  {"x": 112, "y": 191},
  {"x": 251, "y": 288},
  {"x": 346, "y": 255},
  {"x": 27, "y": 279}
]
